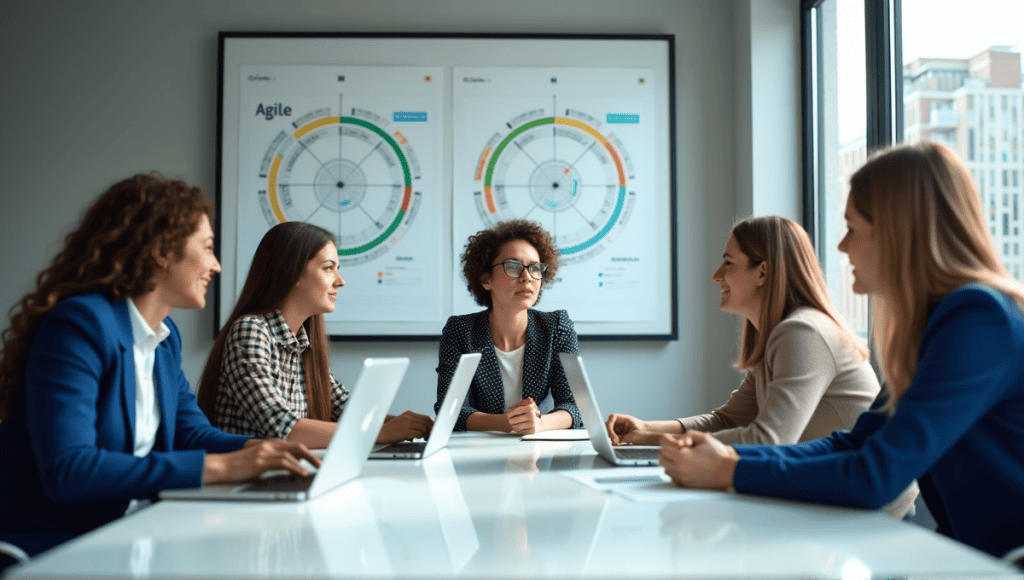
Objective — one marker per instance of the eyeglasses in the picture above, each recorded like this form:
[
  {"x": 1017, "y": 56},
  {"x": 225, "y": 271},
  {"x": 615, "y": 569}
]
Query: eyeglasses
[{"x": 514, "y": 268}]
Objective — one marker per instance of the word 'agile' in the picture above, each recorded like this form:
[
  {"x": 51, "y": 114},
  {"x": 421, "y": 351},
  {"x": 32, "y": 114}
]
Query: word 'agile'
[{"x": 270, "y": 111}]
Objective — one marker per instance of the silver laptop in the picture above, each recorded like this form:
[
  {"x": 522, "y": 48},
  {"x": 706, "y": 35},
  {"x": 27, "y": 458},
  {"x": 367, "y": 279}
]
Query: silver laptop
[
  {"x": 626, "y": 455},
  {"x": 345, "y": 456},
  {"x": 446, "y": 416}
]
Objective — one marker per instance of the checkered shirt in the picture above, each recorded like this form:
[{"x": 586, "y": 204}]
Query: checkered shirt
[{"x": 262, "y": 382}]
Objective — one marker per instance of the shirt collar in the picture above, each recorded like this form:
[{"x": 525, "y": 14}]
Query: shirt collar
[
  {"x": 142, "y": 334},
  {"x": 282, "y": 334}
]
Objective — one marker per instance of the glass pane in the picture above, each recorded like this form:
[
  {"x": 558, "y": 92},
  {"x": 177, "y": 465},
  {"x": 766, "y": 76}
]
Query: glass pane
[
  {"x": 842, "y": 125},
  {"x": 962, "y": 87}
]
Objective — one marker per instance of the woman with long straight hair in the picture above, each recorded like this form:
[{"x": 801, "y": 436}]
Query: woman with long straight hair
[
  {"x": 269, "y": 372},
  {"x": 807, "y": 372},
  {"x": 97, "y": 416},
  {"x": 949, "y": 322}
]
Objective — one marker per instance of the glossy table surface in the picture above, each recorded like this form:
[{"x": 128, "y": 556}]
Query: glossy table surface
[{"x": 491, "y": 506}]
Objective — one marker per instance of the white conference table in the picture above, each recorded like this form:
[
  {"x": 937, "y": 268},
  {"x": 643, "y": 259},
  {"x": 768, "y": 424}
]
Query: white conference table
[{"x": 491, "y": 506}]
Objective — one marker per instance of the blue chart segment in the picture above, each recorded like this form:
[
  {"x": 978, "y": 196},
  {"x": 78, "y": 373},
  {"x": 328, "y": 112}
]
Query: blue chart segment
[{"x": 559, "y": 171}]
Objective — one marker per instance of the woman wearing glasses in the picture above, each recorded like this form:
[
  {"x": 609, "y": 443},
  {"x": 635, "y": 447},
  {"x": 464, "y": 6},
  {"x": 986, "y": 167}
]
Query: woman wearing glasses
[{"x": 519, "y": 377}]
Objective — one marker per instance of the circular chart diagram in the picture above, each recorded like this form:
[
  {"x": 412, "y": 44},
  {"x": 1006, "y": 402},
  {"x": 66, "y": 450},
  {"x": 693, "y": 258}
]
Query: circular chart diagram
[
  {"x": 346, "y": 174},
  {"x": 562, "y": 172}
]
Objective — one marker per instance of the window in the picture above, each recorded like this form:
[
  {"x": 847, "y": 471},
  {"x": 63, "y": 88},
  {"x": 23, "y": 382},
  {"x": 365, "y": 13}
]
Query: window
[
  {"x": 937, "y": 72},
  {"x": 835, "y": 68}
]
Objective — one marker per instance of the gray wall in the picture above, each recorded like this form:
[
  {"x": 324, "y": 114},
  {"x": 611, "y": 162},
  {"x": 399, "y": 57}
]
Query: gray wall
[{"x": 94, "y": 92}]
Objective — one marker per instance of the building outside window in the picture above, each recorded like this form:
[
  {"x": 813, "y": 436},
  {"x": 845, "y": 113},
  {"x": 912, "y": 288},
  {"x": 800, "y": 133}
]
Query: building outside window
[{"x": 960, "y": 84}]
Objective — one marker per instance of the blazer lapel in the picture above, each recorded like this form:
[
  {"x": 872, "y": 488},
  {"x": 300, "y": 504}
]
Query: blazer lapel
[
  {"x": 483, "y": 343},
  {"x": 126, "y": 341},
  {"x": 163, "y": 384},
  {"x": 534, "y": 358}
]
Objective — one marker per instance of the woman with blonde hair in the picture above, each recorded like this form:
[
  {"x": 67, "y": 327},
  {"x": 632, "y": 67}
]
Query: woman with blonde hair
[
  {"x": 950, "y": 324},
  {"x": 807, "y": 372}
]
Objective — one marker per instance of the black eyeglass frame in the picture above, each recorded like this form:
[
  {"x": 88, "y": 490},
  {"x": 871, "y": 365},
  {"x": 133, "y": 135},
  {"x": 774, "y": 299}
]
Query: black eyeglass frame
[{"x": 517, "y": 265}]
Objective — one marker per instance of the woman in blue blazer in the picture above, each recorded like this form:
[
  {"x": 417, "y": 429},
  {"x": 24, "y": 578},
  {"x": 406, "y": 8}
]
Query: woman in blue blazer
[
  {"x": 950, "y": 321},
  {"x": 519, "y": 385},
  {"x": 97, "y": 414}
]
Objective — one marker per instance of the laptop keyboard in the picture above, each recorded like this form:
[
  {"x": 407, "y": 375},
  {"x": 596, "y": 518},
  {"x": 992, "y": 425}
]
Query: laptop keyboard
[
  {"x": 627, "y": 453},
  {"x": 282, "y": 483},
  {"x": 405, "y": 447}
]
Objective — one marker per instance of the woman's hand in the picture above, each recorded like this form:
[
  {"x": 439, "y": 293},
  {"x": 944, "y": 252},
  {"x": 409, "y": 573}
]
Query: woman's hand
[
  {"x": 628, "y": 429},
  {"x": 254, "y": 458},
  {"x": 524, "y": 417},
  {"x": 696, "y": 459},
  {"x": 405, "y": 427}
]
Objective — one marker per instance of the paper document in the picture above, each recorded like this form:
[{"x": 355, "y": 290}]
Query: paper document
[
  {"x": 558, "y": 435},
  {"x": 638, "y": 484}
]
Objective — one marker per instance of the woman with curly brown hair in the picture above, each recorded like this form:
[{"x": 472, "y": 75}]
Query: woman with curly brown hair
[
  {"x": 97, "y": 414},
  {"x": 519, "y": 376}
]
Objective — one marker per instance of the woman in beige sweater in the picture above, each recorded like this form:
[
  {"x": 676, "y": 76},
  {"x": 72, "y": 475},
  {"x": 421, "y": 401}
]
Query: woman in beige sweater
[{"x": 807, "y": 373}]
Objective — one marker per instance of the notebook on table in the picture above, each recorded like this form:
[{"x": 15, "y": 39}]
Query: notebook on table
[
  {"x": 446, "y": 416},
  {"x": 346, "y": 454},
  {"x": 583, "y": 393}
]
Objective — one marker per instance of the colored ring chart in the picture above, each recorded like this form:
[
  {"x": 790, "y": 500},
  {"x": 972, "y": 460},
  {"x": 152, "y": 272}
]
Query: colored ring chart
[
  {"x": 562, "y": 172},
  {"x": 345, "y": 174}
]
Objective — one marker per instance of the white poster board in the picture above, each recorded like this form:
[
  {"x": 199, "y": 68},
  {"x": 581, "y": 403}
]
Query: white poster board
[{"x": 404, "y": 145}]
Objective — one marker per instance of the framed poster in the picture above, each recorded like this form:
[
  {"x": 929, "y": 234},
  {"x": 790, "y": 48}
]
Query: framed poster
[{"x": 404, "y": 145}]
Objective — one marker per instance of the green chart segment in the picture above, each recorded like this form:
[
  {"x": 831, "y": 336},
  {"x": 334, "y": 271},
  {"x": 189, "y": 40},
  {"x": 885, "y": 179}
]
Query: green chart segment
[
  {"x": 287, "y": 151},
  {"x": 489, "y": 175}
]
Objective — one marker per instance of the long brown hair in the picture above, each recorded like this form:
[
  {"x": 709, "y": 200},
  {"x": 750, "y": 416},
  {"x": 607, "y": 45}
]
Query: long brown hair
[
  {"x": 793, "y": 278},
  {"x": 926, "y": 217},
  {"x": 114, "y": 250},
  {"x": 279, "y": 262}
]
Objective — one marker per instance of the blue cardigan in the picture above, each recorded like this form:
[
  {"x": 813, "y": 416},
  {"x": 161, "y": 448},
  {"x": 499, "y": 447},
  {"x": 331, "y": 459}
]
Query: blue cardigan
[
  {"x": 547, "y": 334},
  {"x": 66, "y": 452},
  {"x": 960, "y": 426}
]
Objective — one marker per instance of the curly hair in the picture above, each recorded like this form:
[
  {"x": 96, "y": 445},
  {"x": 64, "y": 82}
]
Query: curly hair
[
  {"x": 484, "y": 246},
  {"x": 114, "y": 250}
]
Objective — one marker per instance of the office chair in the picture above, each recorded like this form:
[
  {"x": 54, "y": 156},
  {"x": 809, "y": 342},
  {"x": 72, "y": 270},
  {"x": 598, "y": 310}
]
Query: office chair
[
  {"x": 11, "y": 555},
  {"x": 1015, "y": 557}
]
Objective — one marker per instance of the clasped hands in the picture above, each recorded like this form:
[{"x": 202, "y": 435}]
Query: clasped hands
[
  {"x": 692, "y": 459},
  {"x": 524, "y": 417}
]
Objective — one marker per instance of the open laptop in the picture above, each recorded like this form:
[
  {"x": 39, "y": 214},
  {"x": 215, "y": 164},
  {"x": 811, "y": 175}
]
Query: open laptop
[
  {"x": 579, "y": 383},
  {"x": 345, "y": 456},
  {"x": 446, "y": 416}
]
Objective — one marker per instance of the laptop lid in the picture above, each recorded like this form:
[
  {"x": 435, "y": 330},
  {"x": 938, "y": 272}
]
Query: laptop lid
[
  {"x": 447, "y": 416},
  {"x": 582, "y": 392},
  {"x": 360, "y": 422}
]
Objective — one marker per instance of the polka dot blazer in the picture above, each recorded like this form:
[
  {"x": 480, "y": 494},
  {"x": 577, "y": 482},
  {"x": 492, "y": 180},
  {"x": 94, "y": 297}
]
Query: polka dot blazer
[{"x": 547, "y": 334}]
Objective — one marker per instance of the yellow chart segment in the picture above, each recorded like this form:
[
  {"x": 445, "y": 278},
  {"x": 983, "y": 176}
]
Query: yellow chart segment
[
  {"x": 273, "y": 189},
  {"x": 277, "y": 163},
  {"x": 611, "y": 150},
  {"x": 316, "y": 124}
]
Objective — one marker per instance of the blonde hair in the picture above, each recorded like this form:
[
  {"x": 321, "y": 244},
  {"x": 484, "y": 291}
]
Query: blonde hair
[
  {"x": 793, "y": 278},
  {"x": 928, "y": 223}
]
